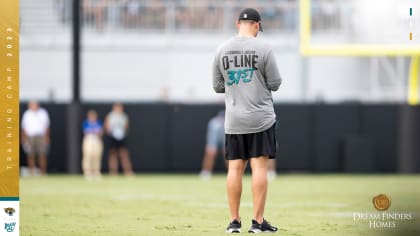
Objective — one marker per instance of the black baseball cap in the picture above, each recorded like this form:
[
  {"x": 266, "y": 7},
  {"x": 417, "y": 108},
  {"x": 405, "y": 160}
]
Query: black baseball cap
[{"x": 251, "y": 14}]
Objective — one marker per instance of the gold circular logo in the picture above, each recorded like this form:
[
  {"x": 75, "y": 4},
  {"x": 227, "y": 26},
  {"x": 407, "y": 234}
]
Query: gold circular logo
[{"x": 381, "y": 202}]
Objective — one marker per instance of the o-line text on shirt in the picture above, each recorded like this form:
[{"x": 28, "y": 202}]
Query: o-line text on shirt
[{"x": 244, "y": 62}]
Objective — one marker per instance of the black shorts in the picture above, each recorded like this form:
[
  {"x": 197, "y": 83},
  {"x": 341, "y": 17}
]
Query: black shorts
[
  {"x": 115, "y": 143},
  {"x": 245, "y": 146}
]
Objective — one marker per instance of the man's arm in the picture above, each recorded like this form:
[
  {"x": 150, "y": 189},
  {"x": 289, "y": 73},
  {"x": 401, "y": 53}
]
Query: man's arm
[
  {"x": 47, "y": 131},
  {"x": 24, "y": 136},
  {"x": 107, "y": 129},
  {"x": 218, "y": 81},
  {"x": 127, "y": 124},
  {"x": 272, "y": 74},
  {"x": 47, "y": 136}
]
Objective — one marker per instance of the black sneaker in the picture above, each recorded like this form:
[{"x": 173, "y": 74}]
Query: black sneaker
[
  {"x": 234, "y": 227},
  {"x": 265, "y": 227}
]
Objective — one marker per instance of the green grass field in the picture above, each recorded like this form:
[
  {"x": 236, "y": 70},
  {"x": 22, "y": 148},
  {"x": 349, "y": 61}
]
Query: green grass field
[{"x": 186, "y": 205}]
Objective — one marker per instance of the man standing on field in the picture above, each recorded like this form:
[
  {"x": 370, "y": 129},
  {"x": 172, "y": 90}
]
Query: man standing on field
[{"x": 246, "y": 71}]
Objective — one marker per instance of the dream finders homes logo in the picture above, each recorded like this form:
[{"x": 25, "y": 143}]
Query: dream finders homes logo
[{"x": 382, "y": 219}]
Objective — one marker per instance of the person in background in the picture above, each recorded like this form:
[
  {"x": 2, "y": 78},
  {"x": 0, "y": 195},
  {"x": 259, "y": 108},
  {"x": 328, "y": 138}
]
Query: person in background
[
  {"x": 215, "y": 142},
  {"x": 95, "y": 10},
  {"x": 92, "y": 146},
  {"x": 116, "y": 127},
  {"x": 272, "y": 172},
  {"x": 132, "y": 13},
  {"x": 35, "y": 136}
]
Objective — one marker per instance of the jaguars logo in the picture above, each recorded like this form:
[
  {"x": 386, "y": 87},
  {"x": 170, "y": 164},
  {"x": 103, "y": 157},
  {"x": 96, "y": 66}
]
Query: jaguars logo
[{"x": 10, "y": 211}]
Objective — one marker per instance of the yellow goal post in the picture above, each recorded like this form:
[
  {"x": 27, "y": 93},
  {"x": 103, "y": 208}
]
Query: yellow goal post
[{"x": 359, "y": 50}]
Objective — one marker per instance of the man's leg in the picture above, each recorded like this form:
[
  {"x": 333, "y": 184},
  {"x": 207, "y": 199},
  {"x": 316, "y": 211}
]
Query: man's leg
[
  {"x": 272, "y": 172},
  {"x": 96, "y": 158},
  {"x": 31, "y": 163},
  {"x": 236, "y": 170},
  {"x": 259, "y": 167},
  {"x": 43, "y": 163},
  {"x": 86, "y": 149},
  {"x": 41, "y": 147},
  {"x": 208, "y": 161},
  {"x": 113, "y": 162},
  {"x": 101, "y": 151},
  {"x": 126, "y": 162},
  {"x": 86, "y": 165}
]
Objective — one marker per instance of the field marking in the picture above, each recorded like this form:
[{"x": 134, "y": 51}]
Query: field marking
[
  {"x": 283, "y": 205},
  {"x": 313, "y": 204},
  {"x": 150, "y": 196}
]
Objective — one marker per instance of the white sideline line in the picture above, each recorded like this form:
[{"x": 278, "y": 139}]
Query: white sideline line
[
  {"x": 131, "y": 197},
  {"x": 313, "y": 204},
  {"x": 189, "y": 201},
  {"x": 186, "y": 200},
  {"x": 217, "y": 204},
  {"x": 284, "y": 206}
]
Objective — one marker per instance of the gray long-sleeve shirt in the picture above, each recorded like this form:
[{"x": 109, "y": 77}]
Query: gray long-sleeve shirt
[{"x": 246, "y": 71}]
